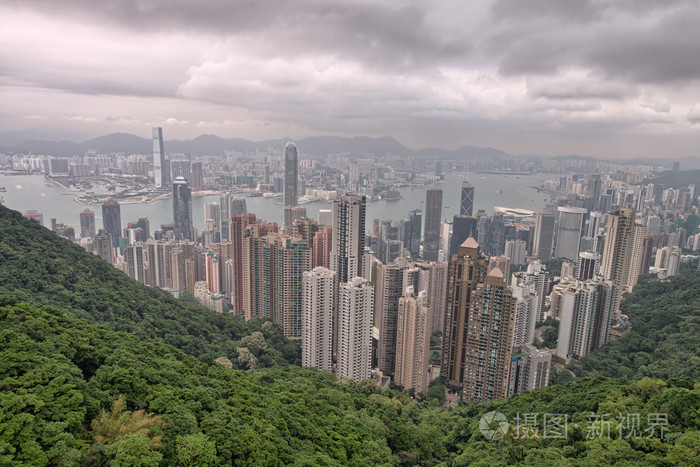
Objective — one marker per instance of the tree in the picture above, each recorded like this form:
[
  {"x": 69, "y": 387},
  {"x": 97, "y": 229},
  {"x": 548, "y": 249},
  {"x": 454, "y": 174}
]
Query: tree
[
  {"x": 117, "y": 423},
  {"x": 255, "y": 343},
  {"x": 196, "y": 450},
  {"x": 133, "y": 450}
]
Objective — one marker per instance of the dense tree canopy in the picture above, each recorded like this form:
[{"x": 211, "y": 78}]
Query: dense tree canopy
[
  {"x": 41, "y": 267},
  {"x": 96, "y": 369}
]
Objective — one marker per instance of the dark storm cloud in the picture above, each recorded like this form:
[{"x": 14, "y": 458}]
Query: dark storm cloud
[
  {"x": 646, "y": 41},
  {"x": 376, "y": 33}
]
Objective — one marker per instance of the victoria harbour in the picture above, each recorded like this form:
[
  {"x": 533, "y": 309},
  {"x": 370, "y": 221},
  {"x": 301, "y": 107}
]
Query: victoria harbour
[{"x": 31, "y": 192}]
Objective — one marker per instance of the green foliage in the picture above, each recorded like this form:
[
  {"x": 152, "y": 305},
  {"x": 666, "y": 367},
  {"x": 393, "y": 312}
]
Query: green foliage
[
  {"x": 41, "y": 267},
  {"x": 63, "y": 366},
  {"x": 663, "y": 342},
  {"x": 196, "y": 450}
]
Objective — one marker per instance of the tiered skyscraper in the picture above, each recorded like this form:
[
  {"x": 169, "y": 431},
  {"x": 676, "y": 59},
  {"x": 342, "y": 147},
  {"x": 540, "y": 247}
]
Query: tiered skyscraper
[
  {"x": 182, "y": 209},
  {"x": 617, "y": 264},
  {"x": 158, "y": 158},
  {"x": 291, "y": 178}
]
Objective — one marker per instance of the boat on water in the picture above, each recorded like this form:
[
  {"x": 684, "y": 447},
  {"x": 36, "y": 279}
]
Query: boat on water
[
  {"x": 48, "y": 184},
  {"x": 3, "y": 189}
]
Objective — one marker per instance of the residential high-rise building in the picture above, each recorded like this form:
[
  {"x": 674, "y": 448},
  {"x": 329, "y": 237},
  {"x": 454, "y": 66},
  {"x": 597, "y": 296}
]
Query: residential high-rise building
[
  {"x": 525, "y": 313},
  {"x": 463, "y": 227},
  {"x": 102, "y": 246},
  {"x": 529, "y": 369},
  {"x": 544, "y": 236},
  {"x": 275, "y": 268},
  {"x": 569, "y": 231},
  {"x": 87, "y": 224},
  {"x": 617, "y": 255},
  {"x": 291, "y": 175},
  {"x": 213, "y": 211},
  {"x": 321, "y": 251},
  {"x": 413, "y": 342},
  {"x": 112, "y": 220},
  {"x": 348, "y": 236},
  {"x": 437, "y": 288},
  {"x": 239, "y": 224},
  {"x": 389, "y": 243},
  {"x": 674, "y": 262},
  {"x": 388, "y": 288},
  {"x": 158, "y": 158},
  {"x": 585, "y": 314},
  {"x": 411, "y": 232},
  {"x": 489, "y": 340},
  {"x": 135, "y": 262},
  {"x": 197, "y": 182},
  {"x": 317, "y": 319},
  {"x": 515, "y": 250},
  {"x": 355, "y": 329},
  {"x": 640, "y": 233},
  {"x": 587, "y": 265},
  {"x": 466, "y": 270},
  {"x": 225, "y": 229},
  {"x": 182, "y": 210},
  {"x": 538, "y": 276},
  {"x": 433, "y": 215},
  {"x": 466, "y": 205}
]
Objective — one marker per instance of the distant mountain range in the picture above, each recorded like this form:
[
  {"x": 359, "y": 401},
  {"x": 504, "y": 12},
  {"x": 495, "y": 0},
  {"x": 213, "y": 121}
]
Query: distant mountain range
[
  {"x": 215, "y": 146},
  {"x": 36, "y": 142}
]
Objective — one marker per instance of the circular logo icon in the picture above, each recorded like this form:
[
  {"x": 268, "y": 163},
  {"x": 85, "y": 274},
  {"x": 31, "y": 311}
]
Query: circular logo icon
[{"x": 494, "y": 425}]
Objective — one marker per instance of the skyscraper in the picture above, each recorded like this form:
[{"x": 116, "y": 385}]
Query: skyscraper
[
  {"x": 617, "y": 255},
  {"x": 225, "y": 201},
  {"x": 388, "y": 288},
  {"x": 238, "y": 206},
  {"x": 102, "y": 246},
  {"x": 213, "y": 211},
  {"x": 587, "y": 265},
  {"x": 112, "y": 220},
  {"x": 413, "y": 341},
  {"x": 355, "y": 329},
  {"x": 466, "y": 269},
  {"x": 291, "y": 175},
  {"x": 412, "y": 231},
  {"x": 466, "y": 205},
  {"x": 317, "y": 319},
  {"x": 544, "y": 236},
  {"x": 515, "y": 250},
  {"x": 569, "y": 229},
  {"x": 529, "y": 369},
  {"x": 348, "y": 237},
  {"x": 525, "y": 313},
  {"x": 87, "y": 224},
  {"x": 158, "y": 158},
  {"x": 489, "y": 340},
  {"x": 182, "y": 209},
  {"x": 433, "y": 214},
  {"x": 585, "y": 313},
  {"x": 463, "y": 227}
]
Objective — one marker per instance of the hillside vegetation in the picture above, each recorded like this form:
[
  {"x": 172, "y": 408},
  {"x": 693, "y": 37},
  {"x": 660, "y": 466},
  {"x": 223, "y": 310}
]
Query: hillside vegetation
[{"x": 40, "y": 267}]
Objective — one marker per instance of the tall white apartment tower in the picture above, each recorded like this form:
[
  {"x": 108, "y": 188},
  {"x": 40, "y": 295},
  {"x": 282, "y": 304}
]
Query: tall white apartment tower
[
  {"x": 355, "y": 303},
  {"x": 158, "y": 157},
  {"x": 317, "y": 319}
]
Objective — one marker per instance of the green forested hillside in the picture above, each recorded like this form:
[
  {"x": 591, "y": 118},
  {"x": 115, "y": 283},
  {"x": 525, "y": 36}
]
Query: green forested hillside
[
  {"x": 57, "y": 373},
  {"x": 40, "y": 267},
  {"x": 96, "y": 369},
  {"x": 665, "y": 338}
]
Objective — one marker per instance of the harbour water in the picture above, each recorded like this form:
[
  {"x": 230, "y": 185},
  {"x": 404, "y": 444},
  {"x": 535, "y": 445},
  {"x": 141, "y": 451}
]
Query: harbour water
[{"x": 29, "y": 192}]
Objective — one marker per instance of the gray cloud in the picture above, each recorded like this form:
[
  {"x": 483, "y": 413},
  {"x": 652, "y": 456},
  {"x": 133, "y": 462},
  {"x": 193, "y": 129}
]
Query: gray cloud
[{"x": 535, "y": 70}]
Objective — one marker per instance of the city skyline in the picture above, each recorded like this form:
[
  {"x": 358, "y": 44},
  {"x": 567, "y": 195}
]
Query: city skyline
[{"x": 537, "y": 78}]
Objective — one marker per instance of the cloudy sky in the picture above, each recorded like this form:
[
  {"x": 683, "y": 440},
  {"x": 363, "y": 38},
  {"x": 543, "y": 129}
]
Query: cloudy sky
[{"x": 595, "y": 77}]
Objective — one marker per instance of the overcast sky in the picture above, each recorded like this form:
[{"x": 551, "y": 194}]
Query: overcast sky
[{"x": 594, "y": 77}]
